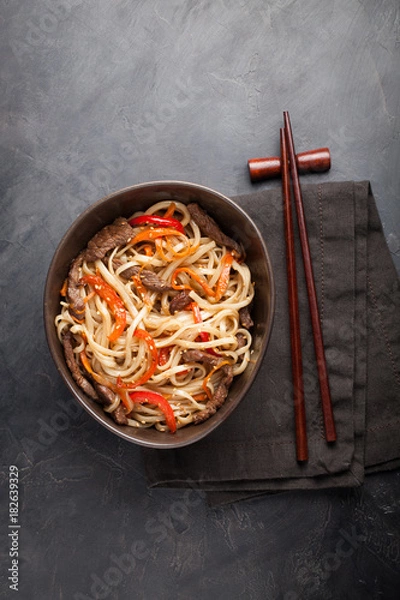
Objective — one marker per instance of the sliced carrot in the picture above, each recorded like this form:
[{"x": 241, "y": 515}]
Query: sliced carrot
[
  {"x": 63, "y": 291},
  {"x": 170, "y": 210},
  {"x": 223, "y": 281},
  {"x": 200, "y": 280},
  {"x": 208, "y": 377},
  {"x": 107, "y": 293},
  {"x": 152, "y": 233}
]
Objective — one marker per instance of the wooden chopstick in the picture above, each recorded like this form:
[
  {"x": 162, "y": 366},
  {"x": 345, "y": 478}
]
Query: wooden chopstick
[
  {"x": 295, "y": 340},
  {"x": 329, "y": 422}
]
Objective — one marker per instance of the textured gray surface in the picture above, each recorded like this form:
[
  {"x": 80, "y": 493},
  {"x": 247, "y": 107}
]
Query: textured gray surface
[{"x": 100, "y": 95}]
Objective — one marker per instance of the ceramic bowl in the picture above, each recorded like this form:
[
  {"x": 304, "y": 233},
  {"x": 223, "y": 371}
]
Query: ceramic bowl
[{"x": 234, "y": 222}]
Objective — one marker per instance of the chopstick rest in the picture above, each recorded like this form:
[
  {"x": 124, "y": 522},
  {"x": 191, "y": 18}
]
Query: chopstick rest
[
  {"x": 327, "y": 411},
  {"x": 311, "y": 161}
]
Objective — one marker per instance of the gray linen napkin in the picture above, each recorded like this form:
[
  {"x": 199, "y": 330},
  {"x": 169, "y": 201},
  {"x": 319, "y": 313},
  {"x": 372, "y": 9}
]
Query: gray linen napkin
[{"x": 358, "y": 293}]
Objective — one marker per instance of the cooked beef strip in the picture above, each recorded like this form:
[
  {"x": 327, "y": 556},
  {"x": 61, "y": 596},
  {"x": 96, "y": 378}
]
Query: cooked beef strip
[
  {"x": 76, "y": 303},
  {"x": 201, "y": 356},
  {"x": 119, "y": 415},
  {"x": 153, "y": 282},
  {"x": 73, "y": 366},
  {"x": 241, "y": 340},
  {"x": 116, "y": 234},
  {"x": 100, "y": 393},
  {"x": 244, "y": 317},
  {"x": 128, "y": 272},
  {"x": 209, "y": 228},
  {"x": 219, "y": 398},
  {"x": 106, "y": 396},
  {"x": 179, "y": 302},
  {"x": 111, "y": 236},
  {"x": 150, "y": 280}
]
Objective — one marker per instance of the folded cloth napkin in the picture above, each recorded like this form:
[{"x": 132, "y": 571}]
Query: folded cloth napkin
[{"x": 358, "y": 292}]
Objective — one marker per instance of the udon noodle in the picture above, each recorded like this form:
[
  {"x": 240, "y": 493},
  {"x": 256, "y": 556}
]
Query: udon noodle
[{"x": 151, "y": 357}]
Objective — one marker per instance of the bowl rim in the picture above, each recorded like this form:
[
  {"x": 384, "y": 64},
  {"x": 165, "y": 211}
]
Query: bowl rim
[{"x": 53, "y": 341}]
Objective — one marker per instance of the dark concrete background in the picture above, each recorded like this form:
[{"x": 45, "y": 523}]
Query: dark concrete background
[{"x": 99, "y": 95}]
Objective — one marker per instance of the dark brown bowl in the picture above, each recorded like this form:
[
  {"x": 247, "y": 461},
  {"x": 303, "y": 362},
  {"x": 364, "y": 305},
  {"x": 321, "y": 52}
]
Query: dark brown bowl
[{"x": 234, "y": 221}]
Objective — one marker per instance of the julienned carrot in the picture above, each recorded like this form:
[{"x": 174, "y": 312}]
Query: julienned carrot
[
  {"x": 141, "y": 289},
  {"x": 208, "y": 377},
  {"x": 223, "y": 280},
  {"x": 189, "y": 249},
  {"x": 152, "y": 233},
  {"x": 107, "y": 293},
  {"x": 170, "y": 210},
  {"x": 63, "y": 291},
  {"x": 204, "y": 335},
  {"x": 200, "y": 397},
  {"x": 222, "y": 283},
  {"x": 147, "y": 249},
  {"x": 96, "y": 376},
  {"x": 198, "y": 278}
]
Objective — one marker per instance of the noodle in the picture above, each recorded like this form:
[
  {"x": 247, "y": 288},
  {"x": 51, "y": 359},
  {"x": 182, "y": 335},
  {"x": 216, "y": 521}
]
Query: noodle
[{"x": 129, "y": 340}]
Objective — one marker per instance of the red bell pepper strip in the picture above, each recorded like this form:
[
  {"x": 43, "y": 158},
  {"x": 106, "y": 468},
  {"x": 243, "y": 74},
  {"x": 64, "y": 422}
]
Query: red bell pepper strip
[
  {"x": 157, "y": 220},
  {"x": 143, "y": 396},
  {"x": 204, "y": 335},
  {"x": 107, "y": 293},
  {"x": 163, "y": 355}
]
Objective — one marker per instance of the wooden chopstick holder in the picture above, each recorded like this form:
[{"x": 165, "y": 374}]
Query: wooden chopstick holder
[
  {"x": 329, "y": 422},
  {"x": 294, "y": 317}
]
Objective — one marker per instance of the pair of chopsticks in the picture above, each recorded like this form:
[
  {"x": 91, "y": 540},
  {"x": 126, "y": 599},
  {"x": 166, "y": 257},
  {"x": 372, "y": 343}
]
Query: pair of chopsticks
[{"x": 290, "y": 171}]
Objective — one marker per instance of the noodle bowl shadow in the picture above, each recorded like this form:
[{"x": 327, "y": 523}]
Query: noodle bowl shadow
[{"x": 234, "y": 222}]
